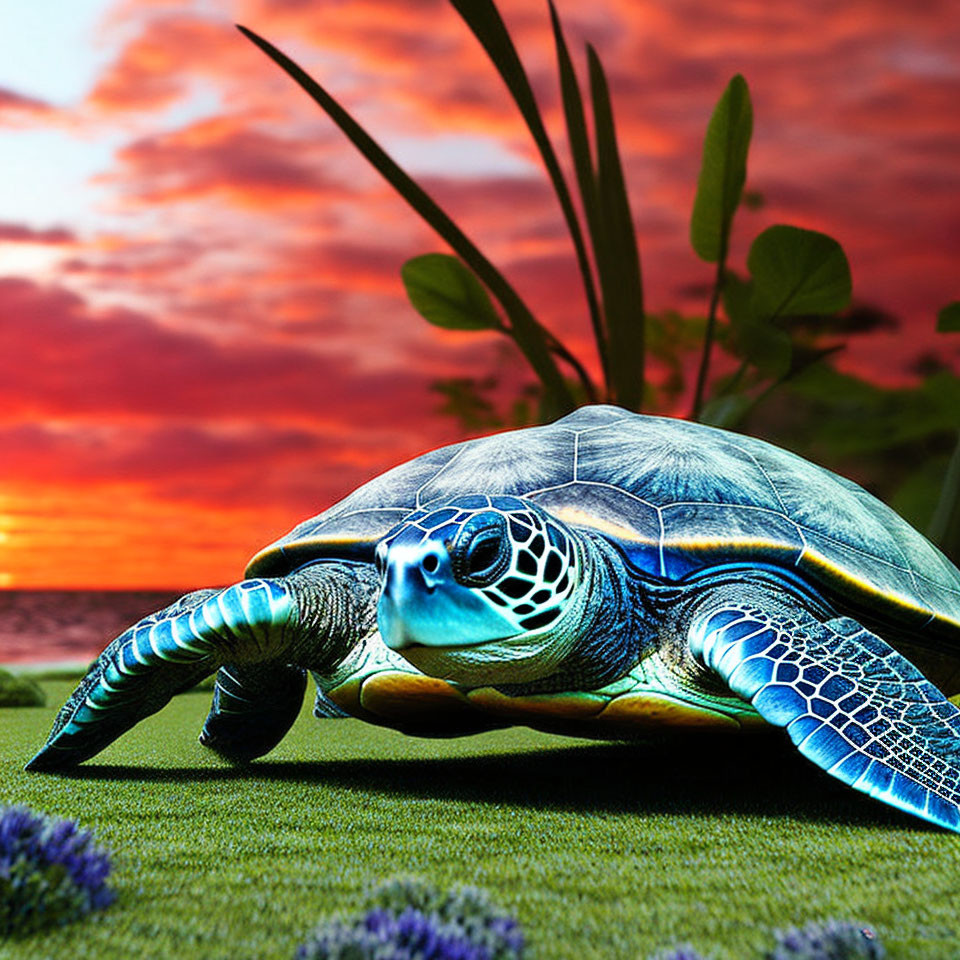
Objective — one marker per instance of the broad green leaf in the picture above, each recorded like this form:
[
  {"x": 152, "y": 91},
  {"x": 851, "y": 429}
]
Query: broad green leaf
[
  {"x": 756, "y": 338},
  {"x": 948, "y": 319},
  {"x": 723, "y": 171},
  {"x": 737, "y": 299},
  {"x": 797, "y": 272},
  {"x": 486, "y": 24},
  {"x": 766, "y": 346},
  {"x": 447, "y": 294},
  {"x": 524, "y": 328},
  {"x": 620, "y": 269}
]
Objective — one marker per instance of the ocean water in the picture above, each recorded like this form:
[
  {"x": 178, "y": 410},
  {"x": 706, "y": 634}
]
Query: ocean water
[{"x": 60, "y": 627}]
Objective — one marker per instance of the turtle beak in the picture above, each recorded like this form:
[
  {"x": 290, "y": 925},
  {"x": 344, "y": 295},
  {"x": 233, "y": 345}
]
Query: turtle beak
[{"x": 422, "y": 605}]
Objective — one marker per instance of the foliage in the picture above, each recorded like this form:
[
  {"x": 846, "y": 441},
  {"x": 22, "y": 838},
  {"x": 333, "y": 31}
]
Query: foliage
[
  {"x": 20, "y": 691},
  {"x": 948, "y": 319},
  {"x": 772, "y": 321},
  {"x": 407, "y": 919},
  {"x": 449, "y": 290},
  {"x": 833, "y": 940},
  {"x": 50, "y": 872}
]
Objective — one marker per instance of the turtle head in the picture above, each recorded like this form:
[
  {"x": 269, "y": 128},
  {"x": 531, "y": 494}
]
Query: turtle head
[{"x": 473, "y": 589}]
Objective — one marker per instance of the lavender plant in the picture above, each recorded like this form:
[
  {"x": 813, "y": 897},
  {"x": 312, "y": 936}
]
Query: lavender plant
[
  {"x": 407, "y": 919},
  {"x": 51, "y": 873},
  {"x": 682, "y": 952},
  {"x": 833, "y": 940}
]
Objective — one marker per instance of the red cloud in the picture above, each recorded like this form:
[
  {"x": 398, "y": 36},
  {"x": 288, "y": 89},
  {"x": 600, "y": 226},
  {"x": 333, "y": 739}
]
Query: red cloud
[
  {"x": 222, "y": 156},
  {"x": 15, "y": 106},
  {"x": 274, "y": 362},
  {"x": 158, "y": 66},
  {"x": 60, "y": 358},
  {"x": 21, "y": 233}
]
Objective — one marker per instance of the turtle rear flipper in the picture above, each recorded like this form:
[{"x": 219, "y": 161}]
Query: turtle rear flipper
[
  {"x": 254, "y": 705},
  {"x": 849, "y": 702}
]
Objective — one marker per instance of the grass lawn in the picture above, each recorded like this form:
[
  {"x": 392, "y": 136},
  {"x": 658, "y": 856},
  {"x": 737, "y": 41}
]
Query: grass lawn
[{"x": 602, "y": 851}]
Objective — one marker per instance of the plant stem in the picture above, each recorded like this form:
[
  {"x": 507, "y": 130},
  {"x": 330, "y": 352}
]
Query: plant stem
[
  {"x": 561, "y": 351},
  {"x": 708, "y": 336}
]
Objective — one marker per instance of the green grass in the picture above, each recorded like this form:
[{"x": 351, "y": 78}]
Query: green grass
[{"x": 603, "y": 851}]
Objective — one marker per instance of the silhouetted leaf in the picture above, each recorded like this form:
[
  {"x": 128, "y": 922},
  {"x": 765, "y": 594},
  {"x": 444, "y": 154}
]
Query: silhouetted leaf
[
  {"x": 948, "y": 319},
  {"x": 445, "y": 293},
  {"x": 524, "y": 328},
  {"x": 723, "y": 170},
  {"x": 579, "y": 140},
  {"x": 486, "y": 24},
  {"x": 797, "y": 271},
  {"x": 620, "y": 276},
  {"x": 737, "y": 299}
]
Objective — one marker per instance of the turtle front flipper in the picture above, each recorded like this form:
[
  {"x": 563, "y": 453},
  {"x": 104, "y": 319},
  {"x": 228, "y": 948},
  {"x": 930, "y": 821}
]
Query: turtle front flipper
[
  {"x": 849, "y": 702},
  {"x": 254, "y": 705},
  {"x": 163, "y": 654}
]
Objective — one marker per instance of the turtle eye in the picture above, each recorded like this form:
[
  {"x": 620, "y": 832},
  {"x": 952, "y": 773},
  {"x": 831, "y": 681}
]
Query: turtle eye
[
  {"x": 483, "y": 557},
  {"x": 481, "y": 551}
]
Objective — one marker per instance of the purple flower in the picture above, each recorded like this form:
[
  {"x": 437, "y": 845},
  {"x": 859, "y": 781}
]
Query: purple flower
[
  {"x": 833, "y": 940},
  {"x": 682, "y": 952},
  {"x": 50, "y": 872},
  {"x": 412, "y": 921}
]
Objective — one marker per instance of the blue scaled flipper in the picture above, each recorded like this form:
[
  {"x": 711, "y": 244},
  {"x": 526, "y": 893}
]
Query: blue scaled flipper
[
  {"x": 849, "y": 702},
  {"x": 162, "y": 655},
  {"x": 254, "y": 705}
]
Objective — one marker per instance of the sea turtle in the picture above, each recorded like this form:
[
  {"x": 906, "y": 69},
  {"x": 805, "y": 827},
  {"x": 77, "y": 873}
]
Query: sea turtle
[{"x": 603, "y": 576}]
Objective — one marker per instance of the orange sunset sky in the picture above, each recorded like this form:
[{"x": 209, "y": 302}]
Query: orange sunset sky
[{"x": 204, "y": 334}]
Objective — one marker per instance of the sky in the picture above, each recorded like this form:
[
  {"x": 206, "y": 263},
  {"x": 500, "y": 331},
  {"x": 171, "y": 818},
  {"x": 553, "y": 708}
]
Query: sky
[{"x": 203, "y": 333}]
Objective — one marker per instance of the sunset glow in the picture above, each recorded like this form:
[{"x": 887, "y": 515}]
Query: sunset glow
[{"x": 203, "y": 334}]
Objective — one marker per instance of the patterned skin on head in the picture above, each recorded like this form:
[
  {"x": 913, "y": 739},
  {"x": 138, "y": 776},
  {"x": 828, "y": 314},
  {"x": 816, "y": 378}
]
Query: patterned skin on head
[{"x": 508, "y": 551}]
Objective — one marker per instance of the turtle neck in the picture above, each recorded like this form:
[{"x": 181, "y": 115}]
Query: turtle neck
[{"x": 608, "y": 618}]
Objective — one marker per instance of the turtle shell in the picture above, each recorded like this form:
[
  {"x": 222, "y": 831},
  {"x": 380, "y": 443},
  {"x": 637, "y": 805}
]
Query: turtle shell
[{"x": 676, "y": 497}]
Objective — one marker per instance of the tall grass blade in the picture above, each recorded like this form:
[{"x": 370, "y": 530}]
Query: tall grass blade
[
  {"x": 579, "y": 141},
  {"x": 525, "y": 330},
  {"x": 624, "y": 308},
  {"x": 486, "y": 24}
]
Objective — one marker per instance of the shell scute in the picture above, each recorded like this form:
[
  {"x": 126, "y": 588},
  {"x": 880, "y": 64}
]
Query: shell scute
[
  {"x": 674, "y": 496},
  {"x": 652, "y": 461},
  {"x": 506, "y": 464}
]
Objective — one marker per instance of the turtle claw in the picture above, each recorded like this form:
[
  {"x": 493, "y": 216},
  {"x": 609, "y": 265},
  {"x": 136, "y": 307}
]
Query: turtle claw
[{"x": 49, "y": 759}]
